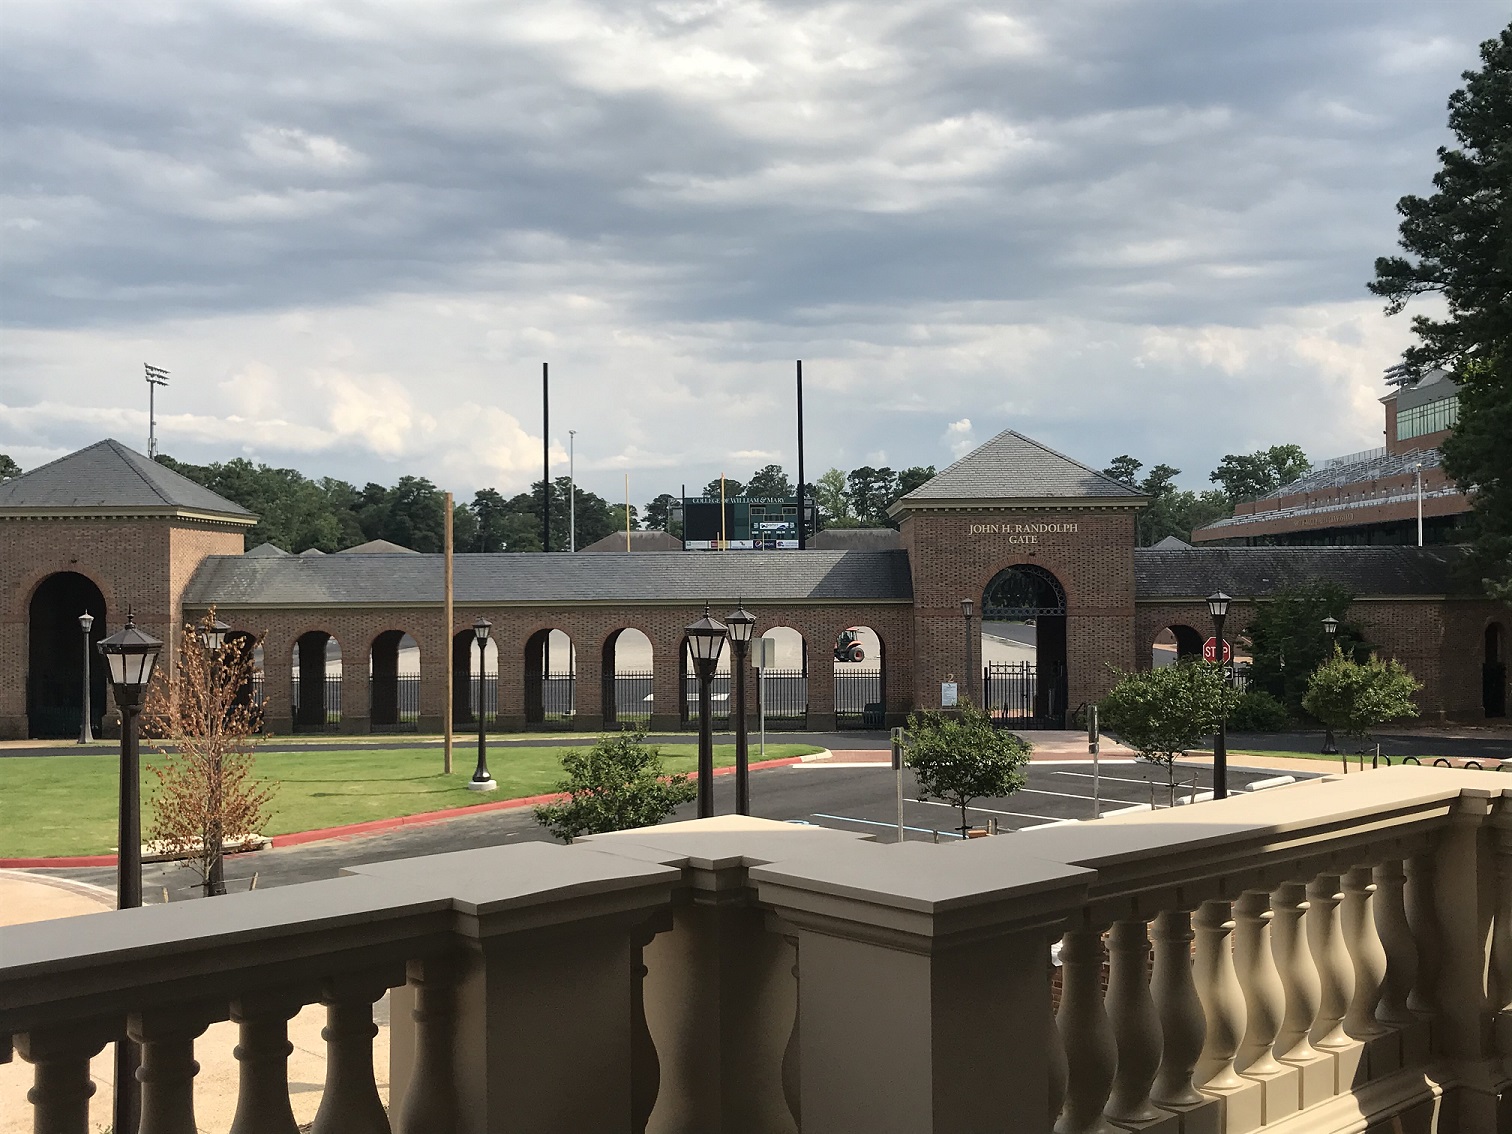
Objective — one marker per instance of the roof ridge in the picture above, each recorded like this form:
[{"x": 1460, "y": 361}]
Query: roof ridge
[
  {"x": 128, "y": 456},
  {"x": 1086, "y": 468}
]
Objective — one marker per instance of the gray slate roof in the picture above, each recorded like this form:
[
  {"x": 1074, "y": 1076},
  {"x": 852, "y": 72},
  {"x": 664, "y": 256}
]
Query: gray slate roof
[
  {"x": 378, "y": 547},
  {"x": 656, "y": 576},
  {"x": 1171, "y": 543},
  {"x": 860, "y": 539},
  {"x": 108, "y": 477},
  {"x": 1014, "y": 467},
  {"x": 653, "y": 540},
  {"x": 1256, "y": 572},
  {"x": 267, "y": 550}
]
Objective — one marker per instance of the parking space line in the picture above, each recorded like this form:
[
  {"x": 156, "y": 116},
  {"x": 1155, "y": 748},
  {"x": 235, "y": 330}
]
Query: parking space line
[
  {"x": 1062, "y": 794},
  {"x": 1112, "y": 779},
  {"x": 987, "y": 810},
  {"x": 894, "y": 826}
]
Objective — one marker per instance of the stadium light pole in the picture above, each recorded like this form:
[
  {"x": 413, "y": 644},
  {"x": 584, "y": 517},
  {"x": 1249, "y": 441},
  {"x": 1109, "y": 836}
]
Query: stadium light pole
[
  {"x": 1218, "y": 604},
  {"x": 705, "y": 641},
  {"x": 1331, "y": 628},
  {"x": 86, "y": 733},
  {"x": 130, "y": 657},
  {"x": 741, "y": 623}
]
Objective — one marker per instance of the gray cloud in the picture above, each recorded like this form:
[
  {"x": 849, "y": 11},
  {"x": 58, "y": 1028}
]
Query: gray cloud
[{"x": 1091, "y": 221}]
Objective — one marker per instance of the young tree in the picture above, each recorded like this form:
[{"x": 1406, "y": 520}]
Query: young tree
[
  {"x": 616, "y": 785},
  {"x": 1459, "y": 245},
  {"x": 206, "y": 792},
  {"x": 1287, "y": 640},
  {"x": 1354, "y": 697},
  {"x": 1164, "y": 713},
  {"x": 960, "y": 757},
  {"x": 8, "y": 468}
]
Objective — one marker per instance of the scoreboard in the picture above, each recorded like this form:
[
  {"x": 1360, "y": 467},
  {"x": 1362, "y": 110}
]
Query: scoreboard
[{"x": 741, "y": 523}]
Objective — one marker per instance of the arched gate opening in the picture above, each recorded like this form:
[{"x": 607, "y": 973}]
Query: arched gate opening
[
  {"x": 55, "y": 656},
  {"x": 1024, "y": 648}
]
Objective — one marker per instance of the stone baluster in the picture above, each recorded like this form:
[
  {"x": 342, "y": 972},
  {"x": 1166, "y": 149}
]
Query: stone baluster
[
  {"x": 1086, "y": 1033},
  {"x": 1264, "y": 998},
  {"x": 1182, "y": 1024},
  {"x": 1395, "y": 932},
  {"x": 645, "y": 1067},
  {"x": 1056, "y": 1051},
  {"x": 1335, "y": 978},
  {"x": 792, "y": 1055},
  {"x": 1456, "y": 885},
  {"x": 166, "y": 1040},
  {"x": 1422, "y": 918},
  {"x": 1501, "y": 933},
  {"x": 1136, "y": 1026},
  {"x": 61, "y": 1085},
  {"x": 1366, "y": 954},
  {"x": 430, "y": 1103},
  {"x": 262, "y": 1052},
  {"x": 350, "y": 1103},
  {"x": 1222, "y": 1001},
  {"x": 1299, "y": 976}
]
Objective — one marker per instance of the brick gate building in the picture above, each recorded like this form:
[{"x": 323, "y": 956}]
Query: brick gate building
[{"x": 1016, "y": 529}]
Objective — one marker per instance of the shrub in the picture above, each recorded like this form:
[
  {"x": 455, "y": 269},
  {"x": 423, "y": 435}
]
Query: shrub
[
  {"x": 1161, "y": 713},
  {"x": 1258, "y": 711},
  {"x": 1353, "y": 697},
  {"x": 616, "y": 785},
  {"x": 959, "y": 756}
]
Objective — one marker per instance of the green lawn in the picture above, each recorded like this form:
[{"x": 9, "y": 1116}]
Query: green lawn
[{"x": 66, "y": 804}]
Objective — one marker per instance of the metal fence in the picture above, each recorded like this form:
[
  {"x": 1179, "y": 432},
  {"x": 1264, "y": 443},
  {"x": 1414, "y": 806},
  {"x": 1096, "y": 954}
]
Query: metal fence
[
  {"x": 1019, "y": 695},
  {"x": 332, "y": 704},
  {"x": 632, "y": 693},
  {"x": 858, "y": 698},
  {"x": 558, "y": 696},
  {"x": 786, "y": 696}
]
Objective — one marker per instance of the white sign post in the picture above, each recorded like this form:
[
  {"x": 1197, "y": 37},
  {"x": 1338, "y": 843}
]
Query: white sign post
[{"x": 763, "y": 654}]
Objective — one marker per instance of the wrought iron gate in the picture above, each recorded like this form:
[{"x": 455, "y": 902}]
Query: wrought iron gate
[{"x": 1023, "y": 695}]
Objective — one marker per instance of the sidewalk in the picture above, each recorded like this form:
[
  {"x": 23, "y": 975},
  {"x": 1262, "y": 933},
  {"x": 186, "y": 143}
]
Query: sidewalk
[
  {"x": 28, "y": 898},
  {"x": 1051, "y": 745}
]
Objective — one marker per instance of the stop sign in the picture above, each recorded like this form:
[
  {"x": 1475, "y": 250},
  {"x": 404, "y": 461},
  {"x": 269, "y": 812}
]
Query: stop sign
[{"x": 1210, "y": 651}]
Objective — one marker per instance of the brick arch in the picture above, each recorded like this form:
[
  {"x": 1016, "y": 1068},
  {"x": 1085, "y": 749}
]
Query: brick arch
[
  {"x": 388, "y": 708},
  {"x": 21, "y": 599},
  {"x": 637, "y": 686},
  {"x": 543, "y": 695}
]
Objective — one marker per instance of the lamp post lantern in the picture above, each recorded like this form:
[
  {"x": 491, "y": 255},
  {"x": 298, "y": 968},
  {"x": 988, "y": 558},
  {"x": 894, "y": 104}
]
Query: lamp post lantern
[
  {"x": 966, "y": 607},
  {"x": 130, "y": 657},
  {"x": 1218, "y": 604},
  {"x": 482, "y": 780},
  {"x": 1331, "y": 628},
  {"x": 706, "y": 639},
  {"x": 212, "y": 635},
  {"x": 86, "y": 732},
  {"x": 741, "y": 623}
]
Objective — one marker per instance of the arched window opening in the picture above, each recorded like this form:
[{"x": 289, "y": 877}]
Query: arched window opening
[
  {"x": 860, "y": 700},
  {"x": 550, "y": 677},
  {"x": 1494, "y": 672},
  {"x": 394, "y": 682},
  {"x": 627, "y": 678},
  {"x": 1023, "y": 642},
  {"x": 1174, "y": 644},
  {"x": 56, "y": 656},
  {"x": 316, "y": 698}
]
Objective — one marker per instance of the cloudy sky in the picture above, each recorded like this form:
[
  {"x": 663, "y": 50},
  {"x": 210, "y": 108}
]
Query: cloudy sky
[{"x": 354, "y": 230}]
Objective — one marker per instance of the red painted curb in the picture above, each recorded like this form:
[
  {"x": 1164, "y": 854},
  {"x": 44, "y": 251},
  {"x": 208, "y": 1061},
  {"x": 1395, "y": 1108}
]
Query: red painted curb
[{"x": 373, "y": 826}]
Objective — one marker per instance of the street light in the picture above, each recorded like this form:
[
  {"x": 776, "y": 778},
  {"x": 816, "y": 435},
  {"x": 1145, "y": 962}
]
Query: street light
[
  {"x": 705, "y": 641},
  {"x": 1218, "y": 604},
  {"x": 481, "y": 780},
  {"x": 130, "y": 657},
  {"x": 741, "y": 624},
  {"x": 212, "y": 635},
  {"x": 86, "y": 733},
  {"x": 1331, "y": 628},
  {"x": 966, "y": 672}
]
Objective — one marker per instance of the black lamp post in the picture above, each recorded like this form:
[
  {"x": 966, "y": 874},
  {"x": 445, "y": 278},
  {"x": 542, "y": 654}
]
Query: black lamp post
[
  {"x": 1331, "y": 628},
  {"x": 482, "y": 780},
  {"x": 130, "y": 657},
  {"x": 86, "y": 733},
  {"x": 705, "y": 641},
  {"x": 966, "y": 672},
  {"x": 1218, "y": 604},
  {"x": 212, "y": 636},
  {"x": 741, "y": 623}
]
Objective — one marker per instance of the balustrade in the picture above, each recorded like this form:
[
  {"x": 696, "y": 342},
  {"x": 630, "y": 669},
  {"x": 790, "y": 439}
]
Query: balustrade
[{"x": 1220, "y": 971}]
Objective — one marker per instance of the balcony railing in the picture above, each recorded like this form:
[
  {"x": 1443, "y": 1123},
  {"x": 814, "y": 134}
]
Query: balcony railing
[{"x": 1330, "y": 956}]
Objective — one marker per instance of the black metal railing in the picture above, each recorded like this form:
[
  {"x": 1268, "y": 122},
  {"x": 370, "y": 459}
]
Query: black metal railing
[
  {"x": 632, "y": 698},
  {"x": 558, "y": 696},
  {"x": 786, "y": 696},
  {"x": 313, "y": 722},
  {"x": 1024, "y": 695},
  {"x": 858, "y": 698}
]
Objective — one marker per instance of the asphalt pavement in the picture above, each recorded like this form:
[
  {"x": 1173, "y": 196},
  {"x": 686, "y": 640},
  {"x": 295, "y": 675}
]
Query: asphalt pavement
[{"x": 852, "y": 797}]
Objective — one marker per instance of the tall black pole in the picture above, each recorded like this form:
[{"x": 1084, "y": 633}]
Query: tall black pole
[
  {"x": 802, "y": 495},
  {"x": 86, "y": 733},
  {"x": 742, "y": 747},
  {"x": 966, "y": 682},
  {"x": 128, "y": 1104},
  {"x": 1220, "y": 741},
  {"x": 545, "y": 457},
  {"x": 705, "y": 667}
]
